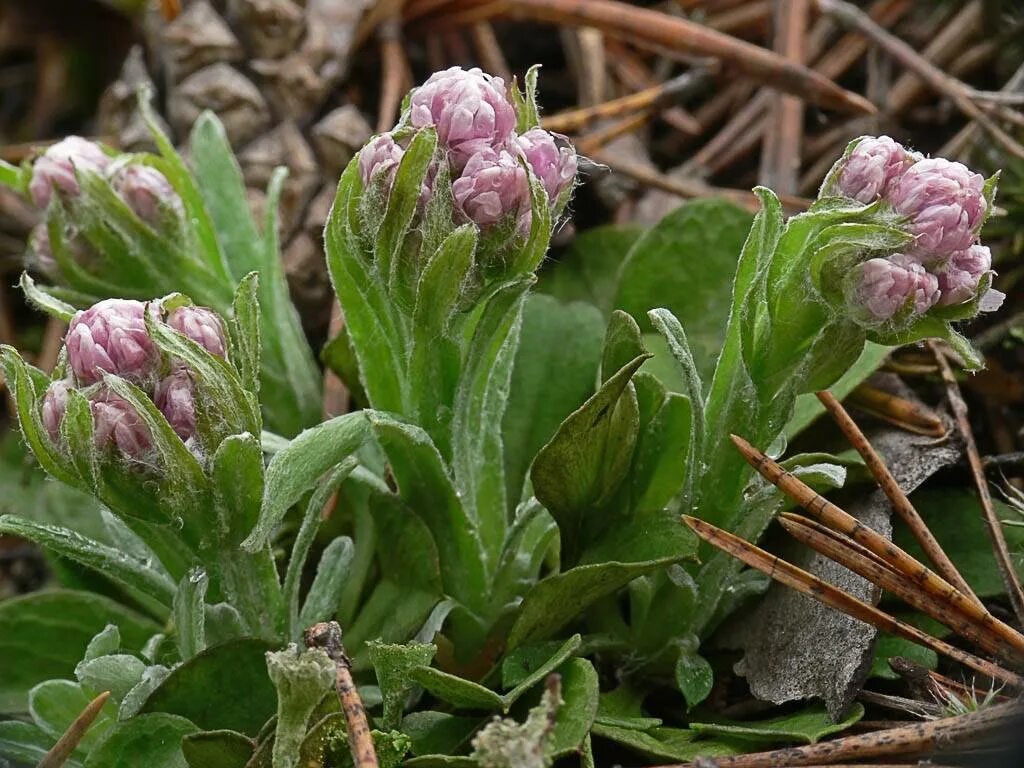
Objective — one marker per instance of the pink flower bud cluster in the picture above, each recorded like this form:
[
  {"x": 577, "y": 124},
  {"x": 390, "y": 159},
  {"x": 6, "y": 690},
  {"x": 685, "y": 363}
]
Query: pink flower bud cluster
[
  {"x": 111, "y": 337},
  {"x": 476, "y": 126},
  {"x": 942, "y": 205},
  {"x": 144, "y": 189}
]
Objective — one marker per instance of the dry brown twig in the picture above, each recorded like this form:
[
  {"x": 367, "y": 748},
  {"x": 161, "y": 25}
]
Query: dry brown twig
[
  {"x": 995, "y": 529},
  {"x": 327, "y": 635},
  {"x": 648, "y": 28},
  {"x": 845, "y": 552},
  {"x": 898, "y": 411},
  {"x": 781, "y": 154},
  {"x": 828, "y": 513},
  {"x": 810, "y": 585},
  {"x": 72, "y": 737},
  {"x": 962, "y": 95},
  {"x": 900, "y": 503},
  {"x": 915, "y": 739},
  {"x": 657, "y": 96}
]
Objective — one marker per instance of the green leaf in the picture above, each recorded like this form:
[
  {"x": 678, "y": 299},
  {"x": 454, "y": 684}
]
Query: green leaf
[
  {"x": 804, "y": 727},
  {"x": 373, "y": 324},
  {"x": 433, "y": 353},
  {"x": 623, "y": 343},
  {"x": 205, "y": 689},
  {"x": 402, "y": 203},
  {"x": 107, "y": 641},
  {"x": 525, "y": 667},
  {"x": 116, "y": 672},
  {"x": 48, "y": 303},
  {"x": 588, "y": 457},
  {"x": 686, "y": 264},
  {"x": 152, "y": 740},
  {"x": 47, "y": 634},
  {"x": 289, "y": 373},
  {"x": 557, "y": 600},
  {"x": 296, "y": 468},
  {"x": 669, "y": 327},
  {"x": 302, "y": 679},
  {"x": 410, "y": 586},
  {"x": 122, "y": 567},
  {"x": 808, "y": 407},
  {"x": 457, "y": 691},
  {"x": 661, "y": 744},
  {"x": 478, "y": 409},
  {"x": 527, "y": 111},
  {"x": 579, "y": 708},
  {"x": 589, "y": 270},
  {"x": 662, "y": 461},
  {"x": 954, "y": 516},
  {"x": 393, "y": 665},
  {"x": 331, "y": 573},
  {"x": 425, "y": 486},
  {"x": 26, "y": 743},
  {"x": 190, "y": 613},
  {"x": 888, "y": 646},
  {"x": 245, "y": 332},
  {"x": 216, "y": 749},
  {"x": 55, "y": 704},
  {"x": 12, "y": 176},
  {"x": 554, "y": 372},
  {"x": 694, "y": 677},
  {"x": 439, "y": 733},
  {"x": 304, "y": 541}
]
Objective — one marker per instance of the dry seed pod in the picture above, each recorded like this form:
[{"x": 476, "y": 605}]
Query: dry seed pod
[
  {"x": 226, "y": 91},
  {"x": 294, "y": 86},
  {"x": 310, "y": 287}
]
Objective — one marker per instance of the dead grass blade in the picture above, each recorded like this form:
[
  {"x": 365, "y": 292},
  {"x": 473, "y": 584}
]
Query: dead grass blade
[{"x": 72, "y": 737}]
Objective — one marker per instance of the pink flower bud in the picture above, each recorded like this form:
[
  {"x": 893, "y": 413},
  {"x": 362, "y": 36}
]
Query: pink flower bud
[
  {"x": 871, "y": 168},
  {"x": 944, "y": 203},
  {"x": 470, "y": 110},
  {"x": 111, "y": 337},
  {"x": 202, "y": 325},
  {"x": 56, "y": 168},
  {"x": 146, "y": 191},
  {"x": 886, "y": 285},
  {"x": 379, "y": 159},
  {"x": 175, "y": 397},
  {"x": 494, "y": 186},
  {"x": 959, "y": 277},
  {"x": 116, "y": 422},
  {"x": 55, "y": 403},
  {"x": 552, "y": 163}
]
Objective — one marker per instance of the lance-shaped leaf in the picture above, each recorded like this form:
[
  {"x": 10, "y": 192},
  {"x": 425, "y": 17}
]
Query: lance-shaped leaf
[
  {"x": 477, "y": 455},
  {"x": 304, "y": 541},
  {"x": 42, "y": 299},
  {"x": 296, "y": 468},
  {"x": 190, "y": 613},
  {"x": 27, "y": 384},
  {"x": 433, "y": 360},
  {"x": 588, "y": 457},
  {"x": 373, "y": 325},
  {"x": 245, "y": 332},
  {"x": 115, "y": 564},
  {"x": 331, "y": 573}
]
